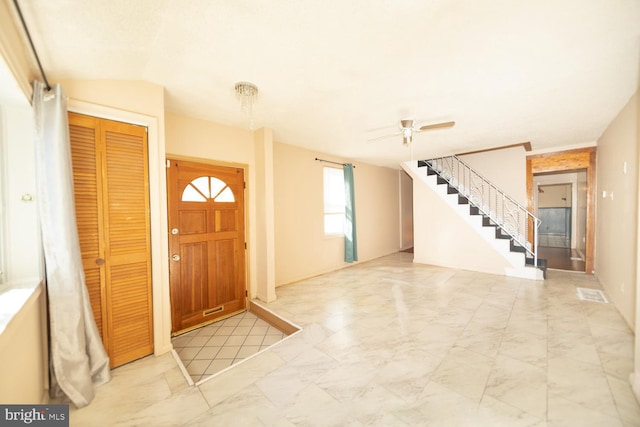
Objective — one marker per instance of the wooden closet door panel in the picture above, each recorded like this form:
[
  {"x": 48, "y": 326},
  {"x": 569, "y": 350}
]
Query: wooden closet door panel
[
  {"x": 127, "y": 248},
  {"x": 87, "y": 194},
  {"x": 112, "y": 211}
]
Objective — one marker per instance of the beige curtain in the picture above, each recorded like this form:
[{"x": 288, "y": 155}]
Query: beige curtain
[{"x": 78, "y": 360}]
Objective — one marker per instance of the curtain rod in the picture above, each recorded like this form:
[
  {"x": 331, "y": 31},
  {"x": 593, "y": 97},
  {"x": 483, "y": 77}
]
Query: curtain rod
[
  {"x": 329, "y": 161},
  {"x": 33, "y": 49}
]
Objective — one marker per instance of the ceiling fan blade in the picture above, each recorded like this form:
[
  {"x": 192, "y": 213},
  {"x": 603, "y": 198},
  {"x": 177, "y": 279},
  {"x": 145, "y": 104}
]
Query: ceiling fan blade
[
  {"x": 378, "y": 138},
  {"x": 437, "y": 126}
]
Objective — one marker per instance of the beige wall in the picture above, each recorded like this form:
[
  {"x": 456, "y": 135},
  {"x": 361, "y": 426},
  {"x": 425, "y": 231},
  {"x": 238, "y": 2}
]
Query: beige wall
[
  {"x": 617, "y": 211},
  {"x": 301, "y": 248},
  {"x": 23, "y": 354},
  {"x": 406, "y": 210},
  {"x": 505, "y": 168},
  {"x": 635, "y": 377},
  {"x": 555, "y": 196},
  {"x": 201, "y": 139},
  {"x": 377, "y": 211},
  {"x": 264, "y": 236}
]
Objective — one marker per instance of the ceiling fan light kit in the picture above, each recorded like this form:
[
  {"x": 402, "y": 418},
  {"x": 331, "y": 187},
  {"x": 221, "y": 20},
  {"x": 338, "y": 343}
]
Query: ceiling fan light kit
[
  {"x": 407, "y": 130},
  {"x": 407, "y": 136}
]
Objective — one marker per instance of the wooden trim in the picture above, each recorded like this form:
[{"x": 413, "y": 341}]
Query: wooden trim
[
  {"x": 272, "y": 319},
  {"x": 211, "y": 162},
  {"x": 583, "y": 158},
  {"x": 207, "y": 323},
  {"x": 578, "y": 152},
  {"x": 525, "y": 145},
  {"x": 529, "y": 199}
]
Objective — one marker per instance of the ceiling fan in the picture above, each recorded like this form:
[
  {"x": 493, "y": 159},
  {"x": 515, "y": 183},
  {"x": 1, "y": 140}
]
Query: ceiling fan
[{"x": 407, "y": 130}]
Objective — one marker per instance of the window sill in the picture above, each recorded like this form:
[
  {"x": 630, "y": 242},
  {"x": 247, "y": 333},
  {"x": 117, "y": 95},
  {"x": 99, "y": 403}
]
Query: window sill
[{"x": 16, "y": 296}]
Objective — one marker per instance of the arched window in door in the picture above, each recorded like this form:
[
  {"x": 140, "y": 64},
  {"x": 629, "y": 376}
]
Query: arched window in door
[{"x": 207, "y": 187}]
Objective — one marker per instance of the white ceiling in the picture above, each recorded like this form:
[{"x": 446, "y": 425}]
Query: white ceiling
[{"x": 334, "y": 73}]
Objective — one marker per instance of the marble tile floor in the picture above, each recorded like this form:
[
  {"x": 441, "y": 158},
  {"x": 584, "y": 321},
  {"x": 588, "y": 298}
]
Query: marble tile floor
[
  {"x": 213, "y": 348},
  {"x": 393, "y": 343}
]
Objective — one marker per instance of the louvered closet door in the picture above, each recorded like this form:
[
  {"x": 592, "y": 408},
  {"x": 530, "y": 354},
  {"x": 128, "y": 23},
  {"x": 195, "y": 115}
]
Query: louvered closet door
[{"x": 112, "y": 209}]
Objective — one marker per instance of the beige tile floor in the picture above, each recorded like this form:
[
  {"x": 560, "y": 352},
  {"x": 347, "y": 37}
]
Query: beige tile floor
[
  {"x": 392, "y": 343},
  {"x": 213, "y": 348}
]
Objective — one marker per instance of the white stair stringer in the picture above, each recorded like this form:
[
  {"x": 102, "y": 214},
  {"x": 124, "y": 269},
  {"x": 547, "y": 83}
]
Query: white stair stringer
[{"x": 446, "y": 234}]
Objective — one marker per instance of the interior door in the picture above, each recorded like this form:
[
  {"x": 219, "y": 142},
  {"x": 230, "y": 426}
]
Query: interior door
[{"x": 206, "y": 243}]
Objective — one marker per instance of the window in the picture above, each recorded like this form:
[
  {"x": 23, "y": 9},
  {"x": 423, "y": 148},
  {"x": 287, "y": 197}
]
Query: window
[
  {"x": 207, "y": 187},
  {"x": 20, "y": 245},
  {"x": 21, "y": 258},
  {"x": 333, "y": 201}
]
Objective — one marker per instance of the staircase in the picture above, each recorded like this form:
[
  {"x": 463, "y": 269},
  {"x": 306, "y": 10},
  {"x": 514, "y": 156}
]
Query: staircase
[{"x": 508, "y": 220}]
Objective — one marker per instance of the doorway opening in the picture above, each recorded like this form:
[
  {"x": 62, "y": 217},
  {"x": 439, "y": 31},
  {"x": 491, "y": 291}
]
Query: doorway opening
[
  {"x": 582, "y": 162},
  {"x": 560, "y": 201}
]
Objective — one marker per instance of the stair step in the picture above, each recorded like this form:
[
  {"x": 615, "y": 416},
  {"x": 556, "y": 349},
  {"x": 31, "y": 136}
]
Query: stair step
[
  {"x": 542, "y": 265},
  {"x": 451, "y": 189},
  {"x": 514, "y": 247},
  {"x": 422, "y": 163},
  {"x": 462, "y": 200},
  {"x": 501, "y": 235},
  {"x": 486, "y": 222},
  {"x": 441, "y": 180},
  {"x": 473, "y": 210}
]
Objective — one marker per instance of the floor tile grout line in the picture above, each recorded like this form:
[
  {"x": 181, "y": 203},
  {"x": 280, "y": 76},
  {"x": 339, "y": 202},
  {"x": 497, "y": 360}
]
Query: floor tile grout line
[{"x": 235, "y": 359}]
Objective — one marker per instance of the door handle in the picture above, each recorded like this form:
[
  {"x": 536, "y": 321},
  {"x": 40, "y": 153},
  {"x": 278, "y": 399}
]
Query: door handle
[
  {"x": 99, "y": 261},
  {"x": 175, "y": 257}
]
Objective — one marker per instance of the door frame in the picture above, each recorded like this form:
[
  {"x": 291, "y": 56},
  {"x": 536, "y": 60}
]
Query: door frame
[{"x": 561, "y": 161}]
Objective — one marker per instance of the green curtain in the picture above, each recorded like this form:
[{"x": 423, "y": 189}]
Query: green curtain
[{"x": 350, "y": 240}]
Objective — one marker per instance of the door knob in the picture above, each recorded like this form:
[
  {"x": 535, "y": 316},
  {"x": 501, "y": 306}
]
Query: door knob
[
  {"x": 99, "y": 261},
  {"x": 175, "y": 257}
]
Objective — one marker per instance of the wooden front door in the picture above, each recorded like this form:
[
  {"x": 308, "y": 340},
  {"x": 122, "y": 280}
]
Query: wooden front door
[
  {"x": 110, "y": 177},
  {"x": 206, "y": 243}
]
